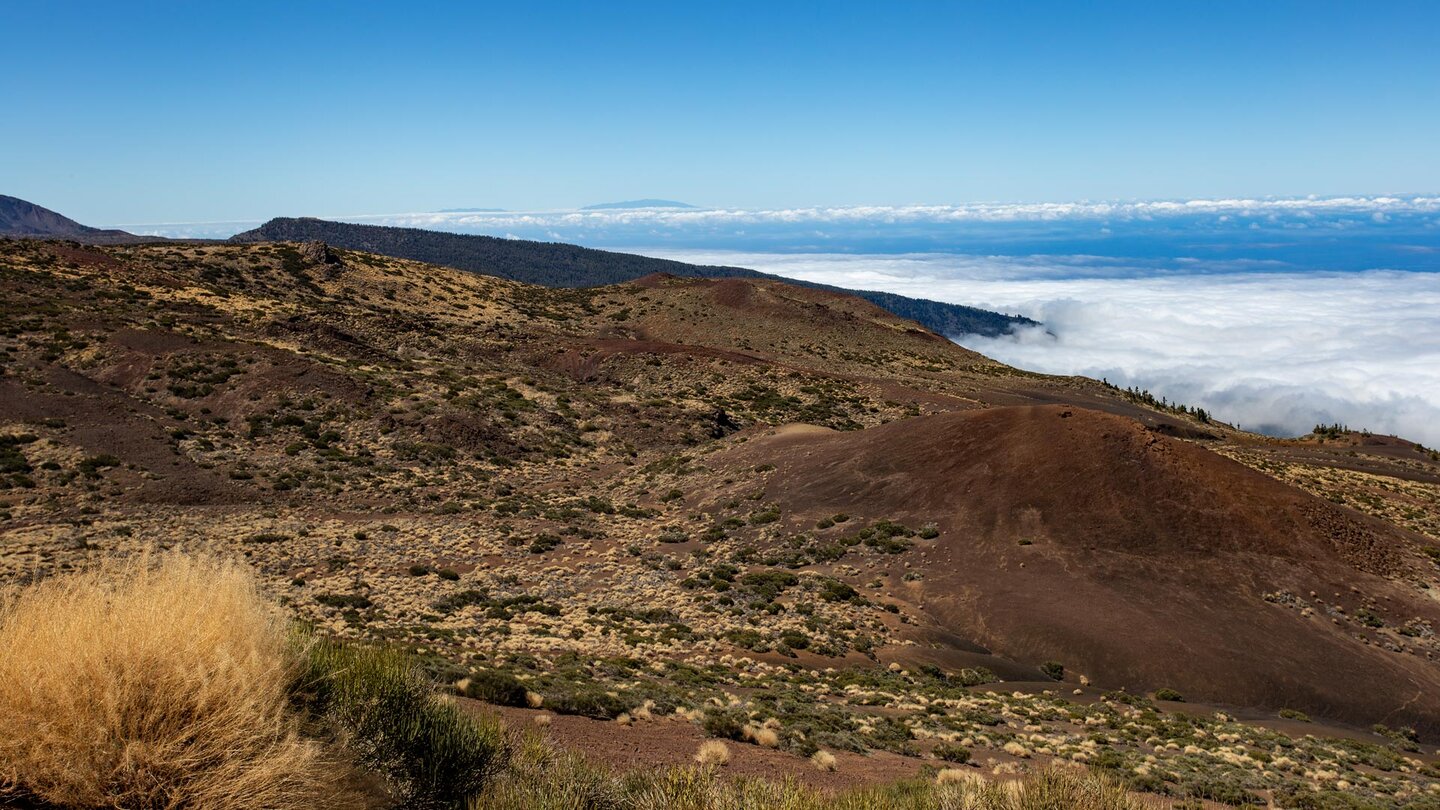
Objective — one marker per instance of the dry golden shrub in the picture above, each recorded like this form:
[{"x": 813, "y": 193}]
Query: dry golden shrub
[
  {"x": 712, "y": 752},
  {"x": 159, "y": 681}
]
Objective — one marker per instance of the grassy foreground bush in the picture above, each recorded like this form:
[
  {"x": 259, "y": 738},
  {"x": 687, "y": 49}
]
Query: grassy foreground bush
[{"x": 156, "y": 683}]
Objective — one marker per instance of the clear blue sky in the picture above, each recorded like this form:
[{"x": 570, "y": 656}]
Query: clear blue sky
[{"x": 145, "y": 112}]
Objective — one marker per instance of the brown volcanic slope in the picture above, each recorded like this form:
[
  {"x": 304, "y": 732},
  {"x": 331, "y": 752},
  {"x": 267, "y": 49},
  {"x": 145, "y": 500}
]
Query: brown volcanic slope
[{"x": 1077, "y": 536}]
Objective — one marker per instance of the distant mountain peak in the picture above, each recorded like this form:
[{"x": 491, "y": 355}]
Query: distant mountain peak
[
  {"x": 24, "y": 219},
  {"x": 610, "y": 206}
]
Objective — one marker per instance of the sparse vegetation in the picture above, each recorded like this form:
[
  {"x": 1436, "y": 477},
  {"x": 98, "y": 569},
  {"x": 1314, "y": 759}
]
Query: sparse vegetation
[{"x": 365, "y": 431}]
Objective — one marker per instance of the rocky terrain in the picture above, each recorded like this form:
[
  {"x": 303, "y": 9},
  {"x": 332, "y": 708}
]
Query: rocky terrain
[{"x": 735, "y": 508}]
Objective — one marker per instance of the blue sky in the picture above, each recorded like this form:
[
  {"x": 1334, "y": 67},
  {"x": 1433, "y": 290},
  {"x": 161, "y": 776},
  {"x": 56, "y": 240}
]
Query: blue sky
[{"x": 156, "y": 112}]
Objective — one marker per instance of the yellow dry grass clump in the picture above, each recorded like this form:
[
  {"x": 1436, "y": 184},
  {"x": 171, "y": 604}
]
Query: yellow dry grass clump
[
  {"x": 712, "y": 752},
  {"x": 160, "y": 681}
]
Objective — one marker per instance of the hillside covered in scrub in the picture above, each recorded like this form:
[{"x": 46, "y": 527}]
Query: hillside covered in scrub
[
  {"x": 559, "y": 265},
  {"x": 674, "y": 512}
]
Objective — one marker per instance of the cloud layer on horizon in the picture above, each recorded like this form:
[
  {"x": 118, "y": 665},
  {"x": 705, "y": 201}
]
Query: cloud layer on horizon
[
  {"x": 1297, "y": 210},
  {"x": 1276, "y": 352}
]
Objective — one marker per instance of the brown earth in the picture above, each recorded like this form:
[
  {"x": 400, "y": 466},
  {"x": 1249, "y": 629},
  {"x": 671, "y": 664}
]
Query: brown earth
[{"x": 1139, "y": 560}]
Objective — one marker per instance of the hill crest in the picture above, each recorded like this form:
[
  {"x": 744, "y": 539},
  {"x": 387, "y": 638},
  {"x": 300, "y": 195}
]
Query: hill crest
[{"x": 554, "y": 264}]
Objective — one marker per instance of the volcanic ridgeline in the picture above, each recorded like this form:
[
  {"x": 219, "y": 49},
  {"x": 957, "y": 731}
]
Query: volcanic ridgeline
[{"x": 554, "y": 264}]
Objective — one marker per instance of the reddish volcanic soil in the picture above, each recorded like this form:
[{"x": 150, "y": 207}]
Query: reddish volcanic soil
[{"x": 1139, "y": 560}]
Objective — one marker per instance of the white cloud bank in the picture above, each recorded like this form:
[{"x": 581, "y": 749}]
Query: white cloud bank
[
  {"x": 1271, "y": 351},
  {"x": 928, "y": 214},
  {"x": 571, "y": 221}
]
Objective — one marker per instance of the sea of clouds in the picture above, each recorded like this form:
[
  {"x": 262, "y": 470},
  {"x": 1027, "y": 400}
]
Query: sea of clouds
[
  {"x": 1272, "y": 351},
  {"x": 883, "y": 227}
]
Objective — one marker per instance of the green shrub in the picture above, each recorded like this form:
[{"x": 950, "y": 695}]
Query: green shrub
[
  {"x": 91, "y": 467},
  {"x": 586, "y": 701},
  {"x": 952, "y": 753},
  {"x": 431, "y": 753},
  {"x": 341, "y": 601},
  {"x": 768, "y": 583},
  {"x": 724, "y": 723},
  {"x": 493, "y": 686},
  {"x": 764, "y": 516},
  {"x": 461, "y": 599},
  {"x": 1217, "y": 789},
  {"x": 1169, "y": 694},
  {"x": 794, "y": 639},
  {"x": 833, "y": 590},
  {"x": 1054, "y": 670}
]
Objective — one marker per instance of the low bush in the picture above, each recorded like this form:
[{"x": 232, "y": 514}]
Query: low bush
[
  {"x": 585, "y": 700},
  {"x": 500, "y": 688},
  {"x": 431, "y": 753},
  {"x": 952, "y": 753},
  {"x": 723, "y": 722}
]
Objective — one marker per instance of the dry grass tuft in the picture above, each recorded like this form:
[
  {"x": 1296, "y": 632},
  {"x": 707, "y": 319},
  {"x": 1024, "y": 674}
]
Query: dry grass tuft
[
  {"x": 824, "y": 761},
  {"x": 763, "y": 736},
  {"x": 712, "y": 752},
  {"x": 959, "y": 776},
  {"x": 155, "y": 682}
]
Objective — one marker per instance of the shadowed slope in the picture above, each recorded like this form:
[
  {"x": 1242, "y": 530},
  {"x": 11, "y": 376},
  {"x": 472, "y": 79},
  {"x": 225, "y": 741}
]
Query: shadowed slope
[{"x": 1081, "y": 537}]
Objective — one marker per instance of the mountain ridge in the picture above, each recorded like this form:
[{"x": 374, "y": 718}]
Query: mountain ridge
[
  {"x": 554, "y": 264},
  {"x": 26, "y": 220},
  {"x": 629, "y": 204}
]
